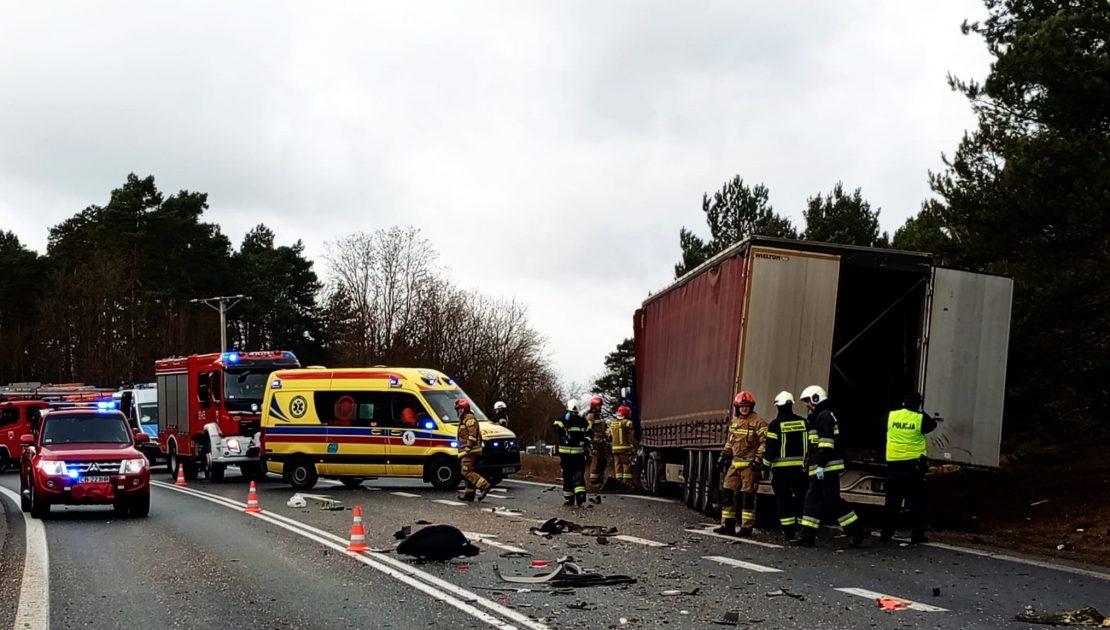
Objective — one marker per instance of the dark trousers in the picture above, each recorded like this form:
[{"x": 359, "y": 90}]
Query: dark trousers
[
  {"x": 574, "y": 477},
  {"x": 790, "y": 485},
  {"x": 905, "y": 484},
  {"x": 823, "y": 498}
]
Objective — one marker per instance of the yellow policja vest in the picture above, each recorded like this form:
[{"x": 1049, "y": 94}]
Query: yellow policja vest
[{"x": 904, "y": 440}]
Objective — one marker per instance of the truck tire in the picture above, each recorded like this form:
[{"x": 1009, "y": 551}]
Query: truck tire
[
  {"x": 214, "y": 470},
  {"x": 139, "y": 506},
  {"x": 713, "y": 495},
  {"x": 444, "y": 473},
  {"x": 39, "y": 507},
  {"x": 653, "y": 474},
  {"x": 171, "y": 460},
  {"x": 301, "y": 474},
  {"x": 689, "y": 473},
  {"x": 705, "y": 482}
]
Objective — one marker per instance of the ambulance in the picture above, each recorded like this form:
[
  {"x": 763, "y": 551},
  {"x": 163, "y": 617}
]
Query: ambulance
[{"x": 354, "y": 424}]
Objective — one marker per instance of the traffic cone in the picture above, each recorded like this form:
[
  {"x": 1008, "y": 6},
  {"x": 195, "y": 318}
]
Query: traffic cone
[
  {"x": 252, "y": 501},
  {"x": 180, "y": 476},
  {"x": 358, "y": 534}
]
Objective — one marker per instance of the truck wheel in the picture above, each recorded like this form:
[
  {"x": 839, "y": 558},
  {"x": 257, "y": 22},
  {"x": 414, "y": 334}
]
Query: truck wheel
[
  {"x": 444, "y": 473},
  {"x": 301, "y": 474},
  {"x": 172, "y": 461},
  {"x": 192, "y": 471},
  {"x": 705, "y": 472},
  {"x": 215, "y": 470},
  {"x": 39, "y": 507},
  {"x": 690, "y": 479},
  {"x": 139, "y": 506}
]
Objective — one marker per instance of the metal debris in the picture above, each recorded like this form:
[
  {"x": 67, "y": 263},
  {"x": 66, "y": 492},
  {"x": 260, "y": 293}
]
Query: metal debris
[
  {"x": 676, "y": 593},
  {"x": 567, "y": 574},
  {"x": 1083, "y": 617},
  {"x": 730, "y": 618},
  {"x": 560, "y": 526},
  {"x": 296, "y": 501},
  {"x": 785, "y": 593}
]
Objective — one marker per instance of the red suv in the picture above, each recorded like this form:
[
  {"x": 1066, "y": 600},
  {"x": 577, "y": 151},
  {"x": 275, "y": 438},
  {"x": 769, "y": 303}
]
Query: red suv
[{"x": 84, "y": 456}]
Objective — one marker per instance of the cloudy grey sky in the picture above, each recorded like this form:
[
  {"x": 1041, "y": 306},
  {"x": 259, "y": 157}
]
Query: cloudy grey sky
[{"x": 550, "y": 150}]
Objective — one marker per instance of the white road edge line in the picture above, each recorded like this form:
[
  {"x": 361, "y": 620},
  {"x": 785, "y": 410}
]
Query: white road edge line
[
  {"x": 646, "y": 498},
  {"x": 746, "y": 541},
  {"x": 463, "y": 599},
  {"x": 33, "y": 610},
  {"x": 449, "y": 502},
  {"x": 640, "y": 541},
  {"x": 872, "y": 595},
  {"x": 407, "y": 495},
  {"x": 751, "y": 566},
  {"x": 1027, "y": 561}
]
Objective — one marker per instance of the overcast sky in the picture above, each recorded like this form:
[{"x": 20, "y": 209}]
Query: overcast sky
[{"x": 550, "y": 150}]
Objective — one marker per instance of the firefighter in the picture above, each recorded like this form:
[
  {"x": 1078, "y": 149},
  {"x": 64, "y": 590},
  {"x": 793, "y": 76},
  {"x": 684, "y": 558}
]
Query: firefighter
[
  {"x": 600, "y": 441},
  {"x": 906, "y": 467},
  {"x": 743, "y": 452},
  {"x": 470, "y": 448},
  {"x": 620, "y": 430},
  {"x": 574, "y": 438},
  {"x": 787, "y": 443},
  {"x": 501, "y": 414},
  {"x": 824, "y": 463}
]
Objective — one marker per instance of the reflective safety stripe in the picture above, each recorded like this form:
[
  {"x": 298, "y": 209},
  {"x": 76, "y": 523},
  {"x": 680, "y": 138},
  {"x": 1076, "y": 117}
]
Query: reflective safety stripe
[
  {"x": 808, "y": 521},
  {"x": 773, "y": 436},
  {"x": 847, "y": 519},
  {"x": 826, "y": 443},
  {"x": 567, "y": 494},
  {"x": 559, "y": 423},
  {"x": 788, "y": 521},
  {"x": 576, "y": 430},
  {"x": 747, "y": 515},
  {"x": 571, "y": 450},
  {"x": 740, "y": 463},
  {"x": 729, "y": 514},
  {"x": 789, "y": 461},
  {"x": 621, "y": 449},
  {"x": 579, "y": 489},
  {"x": 791, "y": 426},
  {"x": 833, "y": 466}
]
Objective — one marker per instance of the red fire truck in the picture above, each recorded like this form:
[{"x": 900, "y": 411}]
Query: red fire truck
[
  {"x": 21, "y": 406},
  {"x": 209, "y": 409}
]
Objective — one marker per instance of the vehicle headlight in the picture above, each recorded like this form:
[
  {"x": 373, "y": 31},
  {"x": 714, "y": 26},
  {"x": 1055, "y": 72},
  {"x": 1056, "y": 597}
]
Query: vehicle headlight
[
  {"x": 131, "y": 466},
  {"x": 233, "y": 445},
  {"x": 52, "y": 467}
]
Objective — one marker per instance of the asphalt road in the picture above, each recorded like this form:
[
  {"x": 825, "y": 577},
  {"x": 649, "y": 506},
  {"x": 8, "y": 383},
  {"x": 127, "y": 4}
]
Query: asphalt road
[{"x": 199, "y": 562}]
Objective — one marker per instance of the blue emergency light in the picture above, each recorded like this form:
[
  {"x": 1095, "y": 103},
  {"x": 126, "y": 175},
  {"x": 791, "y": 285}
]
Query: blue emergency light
[
  {"x": 429, "y": 425},
  {"x": 394, "y": 382},
  {"x": 454, "y": 443},
  {"x": 230, "y": 357},
  {"x": 106, "y": 405},
  {"x": 72, "y": 473}
]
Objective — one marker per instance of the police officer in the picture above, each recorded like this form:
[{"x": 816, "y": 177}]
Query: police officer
[
  {"x": 600, "y": 441},
  {"x": 787, "y": 444},
  {"x": 501, "y": 414},
  {"x": 620, "y": 430},
  {"x": 470, "y": 448},
  {"x": 574, "y": 438},
  {"x": 824, "y": 463},
  {"x": 906, "y": 467},
  {"x": 743, "y": 452}
]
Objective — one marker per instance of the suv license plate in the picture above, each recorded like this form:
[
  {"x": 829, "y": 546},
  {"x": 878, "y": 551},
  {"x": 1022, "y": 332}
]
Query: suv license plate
[
  {"x": 96, "y": 479},
  {"x": 509, "y": 469}
]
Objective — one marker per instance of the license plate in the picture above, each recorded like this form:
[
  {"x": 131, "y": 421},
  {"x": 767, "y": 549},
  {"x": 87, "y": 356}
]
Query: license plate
[
  {"x": 96, "y": 479},
  {"x": 509, "y": 469}
]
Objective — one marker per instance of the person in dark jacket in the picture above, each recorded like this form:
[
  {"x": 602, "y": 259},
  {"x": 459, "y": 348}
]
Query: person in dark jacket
[
  {"x": 574, "y": 434},
  {"x": 787, "y": 445},
  {"x": 906, "y": 450}
]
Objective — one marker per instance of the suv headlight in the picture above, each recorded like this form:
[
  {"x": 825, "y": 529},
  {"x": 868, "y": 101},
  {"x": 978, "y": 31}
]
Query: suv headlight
[
  {"x": 132, "y": 466},
  {"x": 51, "y": 467}
]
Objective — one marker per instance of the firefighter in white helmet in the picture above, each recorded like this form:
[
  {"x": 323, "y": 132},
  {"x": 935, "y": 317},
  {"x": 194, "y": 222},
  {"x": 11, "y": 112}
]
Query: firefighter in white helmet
[
  {"x": 787, "y": 444},
  {"x": 501, "y": 414},
  {"x": 574, "y": 434}
]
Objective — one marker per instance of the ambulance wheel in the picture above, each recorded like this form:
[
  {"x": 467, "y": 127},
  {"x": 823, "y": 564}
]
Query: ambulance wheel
[
  {"x": 351, "y": 482},
  {"x": 301, "y": 474},
  {"x": 444, "y": 473}
]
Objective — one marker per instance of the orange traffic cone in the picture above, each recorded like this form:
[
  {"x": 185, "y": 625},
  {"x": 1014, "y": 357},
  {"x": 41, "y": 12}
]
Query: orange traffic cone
[
  {"x": 358, "y": 534},
  {"x": 252, "y": 500},
  {"x": 180, "y": 476}
]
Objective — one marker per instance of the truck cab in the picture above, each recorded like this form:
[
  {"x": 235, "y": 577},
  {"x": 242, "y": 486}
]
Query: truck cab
[
  {"x": 17, "y": 418},
  {"x": 209, "y": 410}
]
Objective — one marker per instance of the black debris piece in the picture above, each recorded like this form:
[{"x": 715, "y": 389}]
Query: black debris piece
[
  {"x": 785, "y": 593},
  {"x": 560, "y": 526},
  {"x": 595, "y": 499},
  {"x": 1083, "y": 617},
  {"x": 438, "y": 543},
  {"x": 403, "y": 533},
  {"x": 602, "y": 540},
  {"x": 582, "y": 606},
  {"x": 515, "y": 554},
  {"x": 675, "y": 593},
  {"x": 423, "y": 522},
  {"x": 730, "y": 618}
]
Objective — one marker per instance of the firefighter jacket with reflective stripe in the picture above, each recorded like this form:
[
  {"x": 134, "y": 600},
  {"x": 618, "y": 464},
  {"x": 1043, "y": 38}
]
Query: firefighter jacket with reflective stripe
[
  {"x": 469, "y": 436},
  {"x": 574, "y": 434},
  {"x": 787, "y": 441},
  {"x": 824, "y": 433},
  {"x": 746, "y": 441},
  {"x": 621, "y": 431},
  {"x": 501, "y": 418},
  {"x": 599, "y": 428},
  {"x": 905, "y": 435}
]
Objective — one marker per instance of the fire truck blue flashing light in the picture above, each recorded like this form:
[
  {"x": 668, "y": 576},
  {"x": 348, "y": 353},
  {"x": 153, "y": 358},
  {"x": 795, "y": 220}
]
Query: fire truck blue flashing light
[{"x": 230, "y": 357}]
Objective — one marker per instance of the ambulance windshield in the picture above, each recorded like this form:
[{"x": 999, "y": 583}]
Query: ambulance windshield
[{"x": 443, "y": 402}]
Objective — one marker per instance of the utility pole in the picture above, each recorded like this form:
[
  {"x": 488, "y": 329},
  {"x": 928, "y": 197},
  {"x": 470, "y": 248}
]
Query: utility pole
[{"x": 221, "y": 303}]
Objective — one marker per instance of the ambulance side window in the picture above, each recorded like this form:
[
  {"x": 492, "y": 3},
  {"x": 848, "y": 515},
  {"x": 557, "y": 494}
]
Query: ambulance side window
[{"x": 406, "y": 411}]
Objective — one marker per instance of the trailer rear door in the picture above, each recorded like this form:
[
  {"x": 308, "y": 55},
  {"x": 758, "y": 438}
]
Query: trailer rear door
[
  {"x": 789, "y": 314},
  {"x": 965, "y": 370}
]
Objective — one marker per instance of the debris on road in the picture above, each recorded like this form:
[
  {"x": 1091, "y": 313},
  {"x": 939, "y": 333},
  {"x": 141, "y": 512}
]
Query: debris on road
[
  {"x": 676, "y": 593},
  {"x": 437, "y": 543},
  {"x": 936, "y": 591},
  {"x": 515, "y": 554},
  {"x": 890, "y": 604},
  {"x": 567, "y": 574},
  {"x": 1083, "y": 617},
  {"x": 785, "y": 593},
  {"x": 602, "y": 540},
  {"x": 596, "y": 499},
  {"x": 1036, "y": 503},
  {"x": 582, "y": 606},
  {"x": 730, "y": 618},
  {"x": 296, "y": 501},
  {"x": 403, "y": 533},
  {"x": 560, "y": 526}
]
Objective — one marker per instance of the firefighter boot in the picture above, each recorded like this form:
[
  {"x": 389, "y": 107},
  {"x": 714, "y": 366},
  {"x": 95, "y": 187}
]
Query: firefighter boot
[
  {"x": 790, "y": 532},
  {"x": 483, "y": 490},
  {"x": 467, "y": 496},
  {"x": 858, "y": 536},
  {"x": 728, "y": 527},
  {"x": 744, "y": 532},
  {"x": 580, "y": 498},
  {"x": 807, "y": 537}
]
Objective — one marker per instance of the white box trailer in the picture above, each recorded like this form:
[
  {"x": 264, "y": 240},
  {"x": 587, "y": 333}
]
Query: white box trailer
[{"x": 869, "y": 324}]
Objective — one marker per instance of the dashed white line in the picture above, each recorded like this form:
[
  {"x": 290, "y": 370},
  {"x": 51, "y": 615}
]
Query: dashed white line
[
  {"x": 647, "y": 498},
  {"x": 487, "y": 539},
  {"x": 407, "y": 495},
  {"x": 751, "y": 566},
  {"x": 33, "y": 610},
  {"x": 910, "y": 604},
  {"x": 1028, "y": 561},
  {"x": 640, "y": 541},
  {"x": 449, "y": 502},
  {"x": 746, "y": 541}
]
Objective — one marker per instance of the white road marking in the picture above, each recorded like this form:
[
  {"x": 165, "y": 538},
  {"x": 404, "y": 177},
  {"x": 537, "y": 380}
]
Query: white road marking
[
  {"x": 910, "y": 604},
  {"x": 445, "y": 591},
  {"x": 532, "y": 483},
  {"x": 407, "y": 495},
  {"x": 33, "y": 610},
  {"x": 488, "y": 540},
  {"x": 502, "y": 490},
  {"x": 647, "y": 498},
  {"x": 449, "y": 502},
  {"x": 751, "y": 566},
  {"x": 747, "y": 541},
  {"x": 1027, "y": 561},
  {"x": 640, "y": 541},
  {"x": 496, "y": 496}
]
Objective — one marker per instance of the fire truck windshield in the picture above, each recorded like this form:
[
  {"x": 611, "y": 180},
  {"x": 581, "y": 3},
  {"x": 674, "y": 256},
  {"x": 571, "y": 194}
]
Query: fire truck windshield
[{"x": 242, "y": 388}]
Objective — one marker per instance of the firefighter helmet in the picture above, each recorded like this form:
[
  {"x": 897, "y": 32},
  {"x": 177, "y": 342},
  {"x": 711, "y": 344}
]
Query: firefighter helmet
[
  {"x": 498, "y": 406},
  {"x": 572, "y": 405},
  {"x": 744, "y": 398},
  {"x": 462, "y": 404},
  {"x": 784, "y": 398},
  {"x": 815, "y": 394},
  {"x": 623, "y": 412},
  {"x": 595, "y": 402}
]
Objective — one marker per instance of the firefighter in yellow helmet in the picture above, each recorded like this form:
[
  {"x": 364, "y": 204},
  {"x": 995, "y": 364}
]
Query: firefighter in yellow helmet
[
  {"x": 743, "y": 452},
  {"x": 599, "y": 445},
  {"x": 620, "y": 430},
  {"x": 470, "y": 449}
]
